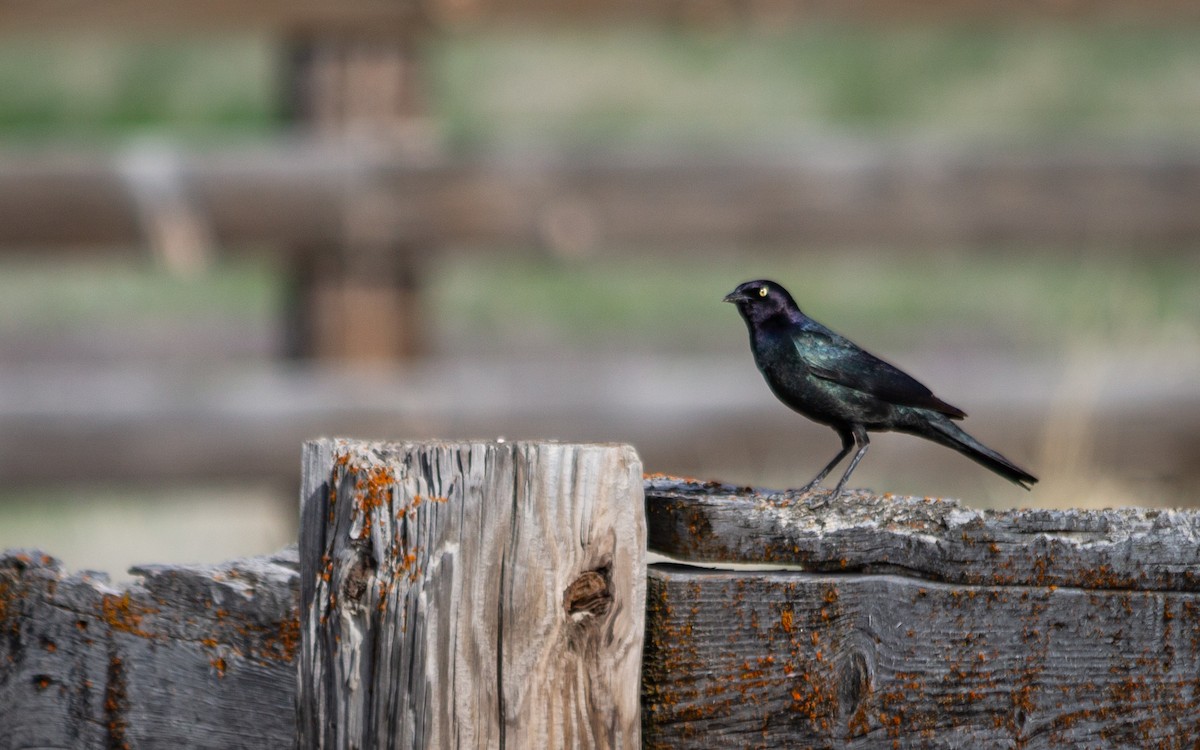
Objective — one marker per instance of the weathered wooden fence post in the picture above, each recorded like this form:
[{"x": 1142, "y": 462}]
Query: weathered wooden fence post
[
  {"x": 913, "y": 622},
  {"x": 461, "y": 595},
  {"x": 358, "y": 89}
]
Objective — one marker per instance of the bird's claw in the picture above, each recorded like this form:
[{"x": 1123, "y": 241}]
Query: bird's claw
[
  {"x": 817, "y": 503},
  {"x": 811, "y": 495}
]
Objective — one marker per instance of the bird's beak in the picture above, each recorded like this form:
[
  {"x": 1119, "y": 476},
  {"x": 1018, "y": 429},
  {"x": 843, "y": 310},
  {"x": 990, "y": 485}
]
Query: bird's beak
[{"x": 735, "y": 296}]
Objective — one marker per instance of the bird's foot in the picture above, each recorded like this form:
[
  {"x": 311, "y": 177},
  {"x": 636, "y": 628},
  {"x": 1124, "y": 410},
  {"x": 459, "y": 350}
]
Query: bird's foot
[
  {"x": 818, "y": 502},
  {"x": 811, "y": 494}
]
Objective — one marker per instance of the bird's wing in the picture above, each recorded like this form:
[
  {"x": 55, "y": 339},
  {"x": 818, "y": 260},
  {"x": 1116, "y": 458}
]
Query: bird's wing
[{"x": 831, "y": 357}]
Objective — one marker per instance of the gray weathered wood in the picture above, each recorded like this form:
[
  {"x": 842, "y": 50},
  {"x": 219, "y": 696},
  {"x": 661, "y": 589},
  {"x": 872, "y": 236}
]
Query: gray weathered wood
[
  {"x": 737, "y": 659},
  {"x": 184, "y": 656},
  {"x": 934, "y": 539},
  {"x": 471, "y": 595},
  {"x": 913, "y": 622}
]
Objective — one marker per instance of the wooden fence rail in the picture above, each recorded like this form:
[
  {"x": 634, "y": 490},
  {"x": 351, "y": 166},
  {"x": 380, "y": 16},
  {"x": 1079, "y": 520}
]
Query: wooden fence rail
[
  {"x": 184, "y": 657},
  {"x": 479, "y": 594},
  {"x": 921, "y": 623},
  {"x": 357, "y": 229},
  {"x": 312, "y": 195}
]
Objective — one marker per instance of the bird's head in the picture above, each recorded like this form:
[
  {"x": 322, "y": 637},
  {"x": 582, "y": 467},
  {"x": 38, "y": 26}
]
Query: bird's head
[{"x": 762, "y": 299}]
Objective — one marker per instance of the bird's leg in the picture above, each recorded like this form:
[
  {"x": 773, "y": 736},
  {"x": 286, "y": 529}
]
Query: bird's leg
[
  {"x": 848, "y": 443},
  {"x": 863, "y": 442}
]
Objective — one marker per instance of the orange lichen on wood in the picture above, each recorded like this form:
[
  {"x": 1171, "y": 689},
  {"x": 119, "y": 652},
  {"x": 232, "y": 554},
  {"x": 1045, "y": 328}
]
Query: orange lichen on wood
[
  {"x": 786, "y": 620},
  {"x": 372, "y": 490},
  {"x": 659, "y": 476},
  {"x": 815, "y": 698},
  {"x": 121, "y": 613},
  {"x": 284, "y": 641}
]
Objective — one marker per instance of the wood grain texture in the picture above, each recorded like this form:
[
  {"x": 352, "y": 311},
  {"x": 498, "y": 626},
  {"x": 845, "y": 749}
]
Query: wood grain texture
[
  {"x": 936, "y": 539},
  {"x": 818, "y": 660},
  {"x": 911, "y": 622},
  {"x": 184, "y": 656},
  {"x": 471, "y": 595}
]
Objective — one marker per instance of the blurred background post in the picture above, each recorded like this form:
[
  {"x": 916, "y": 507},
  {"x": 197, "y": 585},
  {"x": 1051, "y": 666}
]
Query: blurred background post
[{"x": 225, "y": 229}]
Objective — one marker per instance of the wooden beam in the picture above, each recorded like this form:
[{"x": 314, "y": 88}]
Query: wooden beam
[
  {"x": 133, "y": 424},
  {"x": 185, "y": 656},
  {"x": 895, "y": 194},
  {"x": 905, "y": 622},
  {"x": 471, "y": 595},
  {"x": 935, "y": 540},
  {"x": 865, "y": 661}
]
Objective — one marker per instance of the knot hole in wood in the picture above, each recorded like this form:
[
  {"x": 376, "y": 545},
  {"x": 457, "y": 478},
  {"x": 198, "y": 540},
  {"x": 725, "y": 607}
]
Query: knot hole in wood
[
  {"x": 589, "y": 595},
  {"x": 855, "y": 682}
]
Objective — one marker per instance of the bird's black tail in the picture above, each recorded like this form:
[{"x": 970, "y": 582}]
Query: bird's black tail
[{"x": 950, "y": 435}]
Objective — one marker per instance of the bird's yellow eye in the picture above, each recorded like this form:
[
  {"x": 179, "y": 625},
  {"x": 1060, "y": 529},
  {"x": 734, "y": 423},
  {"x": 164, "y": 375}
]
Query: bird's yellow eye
[{"x": 762, "y": 291}]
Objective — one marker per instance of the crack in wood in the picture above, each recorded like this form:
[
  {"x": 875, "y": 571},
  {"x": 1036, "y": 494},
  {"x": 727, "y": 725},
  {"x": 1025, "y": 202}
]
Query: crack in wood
[{"x": 116, "y": 703}]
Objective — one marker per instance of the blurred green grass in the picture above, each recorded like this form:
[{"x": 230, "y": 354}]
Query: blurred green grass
[
  {"x": 672, "y": 304},
  {"x": 1018, "y": 81},
  {"x": 103, "y": 87},
  {"x": 559, "y": 87},
  {"x": 49, "y": 297},
  {"x": 112, "y": 528},
  {"x": 662, "y": 303}
]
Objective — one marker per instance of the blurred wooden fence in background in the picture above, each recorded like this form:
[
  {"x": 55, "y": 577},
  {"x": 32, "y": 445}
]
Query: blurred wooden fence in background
[
  {"x": 357, "y": 214},
  {"x": 906, "y": 194}
]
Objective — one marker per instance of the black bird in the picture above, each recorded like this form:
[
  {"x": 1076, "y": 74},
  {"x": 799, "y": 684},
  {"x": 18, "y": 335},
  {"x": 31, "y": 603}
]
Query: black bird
[{"x": 830, "y": 380}]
